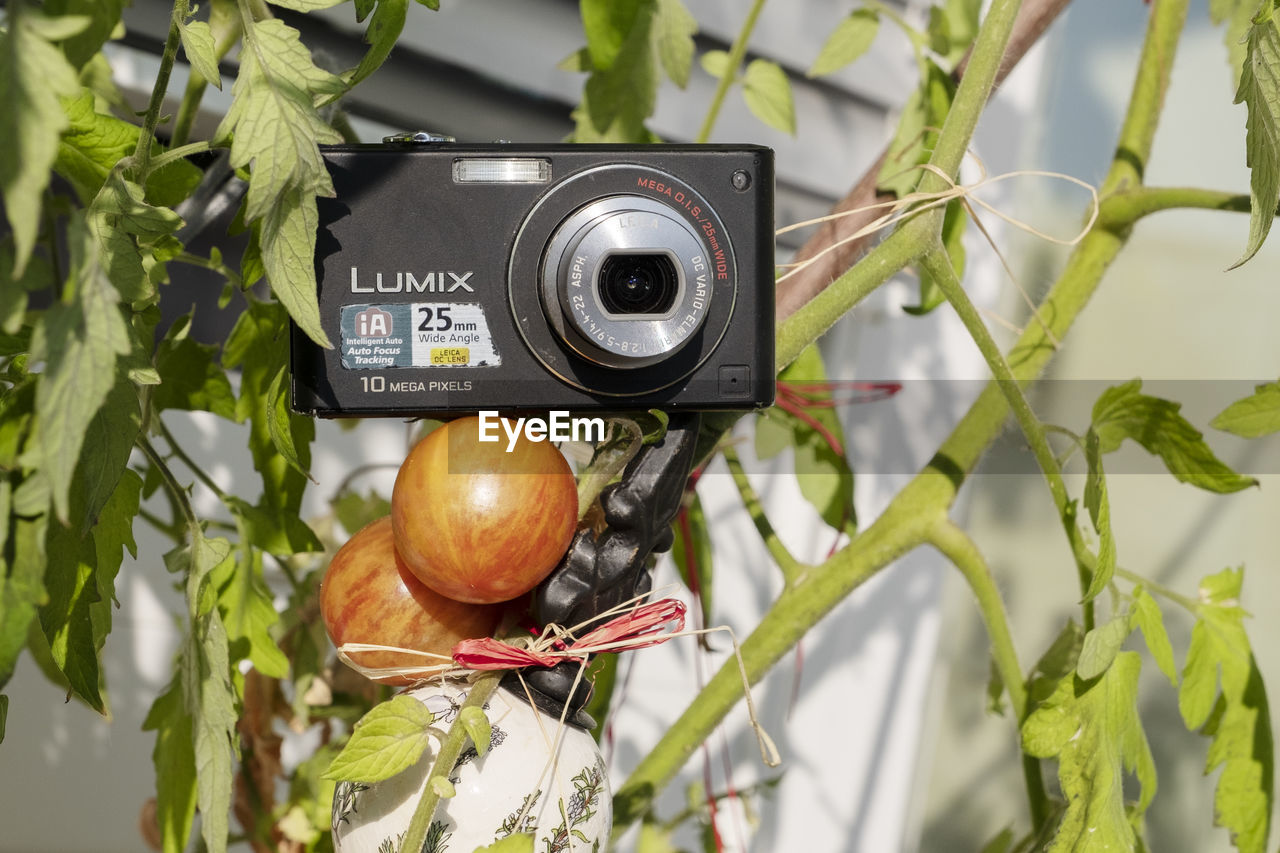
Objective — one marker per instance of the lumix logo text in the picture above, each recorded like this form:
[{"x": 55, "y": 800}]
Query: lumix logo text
[{"x": 445, "y": 281}]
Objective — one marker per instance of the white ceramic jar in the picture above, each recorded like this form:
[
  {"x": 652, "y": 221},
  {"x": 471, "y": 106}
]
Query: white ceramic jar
[{"x": 515, "y": 786}]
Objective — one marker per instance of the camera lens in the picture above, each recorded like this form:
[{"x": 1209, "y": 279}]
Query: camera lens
[{"x": 638, "y": 284}]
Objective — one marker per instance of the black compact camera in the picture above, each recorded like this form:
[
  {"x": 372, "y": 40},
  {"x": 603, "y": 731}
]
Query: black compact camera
[{"x": 459, "y": 278}]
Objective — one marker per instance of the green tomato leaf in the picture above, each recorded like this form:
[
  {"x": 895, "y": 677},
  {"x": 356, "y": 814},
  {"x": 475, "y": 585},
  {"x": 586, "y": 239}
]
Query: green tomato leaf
[
  {"x": 674, "y": 29},
  {"x": 175, "y": 763},
  {"x": 913, "y": 142},
  {"x": 202, "y": 52},
  {"x": 1260, "y": 91},
  {"x": 22, "y": 592},
  {"x": 79, "y": 342},
  {"x": 1238, "y": 16},
  {"x": 100, "y": 17},
  {"x": 1148, "y": 619},
  {"x": 692, "y": 552},
  {"x": 67, "y": 618},
  {"x": 954, "y": 222},
  {"x": 381, "y": 36},
  {"x": 622, "y": 92},
  {"x": 521, "y": 842},
  {"x": 962, "y": 25},
  {"x": 715, "y": 63},
  {"x": 1253, "y": 416},
  {"x": 1093, "y": 730},
  {"x": 306, "y": 5},
  {"x": 1236, "y": 717},
  {"x": 851, "y": 39},
  {"x": 477, "y": 727},
  {"x": 33, "y": 73},
  {"x": 248, "y": 611},
  {"x": 193, "y": 379},
  {"x": 607, "y": 24},
  {"x": 387, "y": 740},
  {"x": 1124, "y": 412},
  {"x": 433, "y": 5},
  {"x": 280, "y": 421},
  {"x": 768, "y": 94},
  {"x": 288, "y": 256},
  {"x": 1101, "y": 645},
  {"x": 355, "y": 510},
  {"x": 1099, "y": 506},
  {"x": 1058, "y": 661},
  {"x": 259, "y": 346}
]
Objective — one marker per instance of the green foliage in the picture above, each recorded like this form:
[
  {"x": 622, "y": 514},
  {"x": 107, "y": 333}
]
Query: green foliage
[
  {"x": 917, "y": 133},
  {"x": 33, "y": 74},
  {"x": 387, "y": 740},
  {"x": 1253, "y": 416},
  {"x": 767, "y": 91},
  {"x": 850, "y": 40},
  {"x": 519, "y": 843},
  {"x": 1124, "y": 412},
  {"x": 1092, "y": 729},
  {"x": 954, "y": 222},
  {"x": 198, "y": 45},
  {"x": 275, "y": 129},
  {"x": 1260, "y": 91},
  {"x": 1222, "y": 692},
  {"x": 477, "y": 726},
  {"x": 1147, "y": 618},
  {"x": 822, "y": 470}
]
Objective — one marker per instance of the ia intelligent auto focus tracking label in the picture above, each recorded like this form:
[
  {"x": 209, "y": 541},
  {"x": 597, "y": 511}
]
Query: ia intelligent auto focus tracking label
[{"x": 417, "y": 334}]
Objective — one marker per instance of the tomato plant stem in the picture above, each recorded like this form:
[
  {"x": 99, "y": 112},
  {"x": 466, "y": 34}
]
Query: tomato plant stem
[
  {"x": 736, "y": 52},
  {"x": 142, "y": 152},
  {"x": 790, "y": 566},
  {"x": 447, "y": 756}
]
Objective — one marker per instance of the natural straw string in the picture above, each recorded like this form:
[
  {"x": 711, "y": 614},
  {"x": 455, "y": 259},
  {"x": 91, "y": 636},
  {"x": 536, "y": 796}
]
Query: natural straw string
[
  {"x": 915, "y": 203},
  {"x": 556, "y": 644}
]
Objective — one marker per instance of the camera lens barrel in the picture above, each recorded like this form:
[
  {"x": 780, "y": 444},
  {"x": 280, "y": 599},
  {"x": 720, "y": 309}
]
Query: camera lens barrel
[{"x": 625, "y": 281}]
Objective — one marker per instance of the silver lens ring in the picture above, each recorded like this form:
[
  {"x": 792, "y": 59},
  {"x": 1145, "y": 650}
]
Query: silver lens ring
[{"x": 625, "y": 282}]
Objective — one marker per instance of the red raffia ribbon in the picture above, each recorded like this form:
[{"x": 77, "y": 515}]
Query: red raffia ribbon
[{"x": 646, "y": 625}]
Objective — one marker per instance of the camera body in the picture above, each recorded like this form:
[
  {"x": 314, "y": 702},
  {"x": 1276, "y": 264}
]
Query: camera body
[{"x": 458, "y": 278}]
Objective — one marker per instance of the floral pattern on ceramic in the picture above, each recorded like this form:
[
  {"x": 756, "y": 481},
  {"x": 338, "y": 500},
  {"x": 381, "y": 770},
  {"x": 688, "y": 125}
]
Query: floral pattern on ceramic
[{"x": 514, "y": 787}]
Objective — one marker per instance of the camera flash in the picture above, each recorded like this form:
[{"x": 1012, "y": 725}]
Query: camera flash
[{"x": 501, "y": 170}]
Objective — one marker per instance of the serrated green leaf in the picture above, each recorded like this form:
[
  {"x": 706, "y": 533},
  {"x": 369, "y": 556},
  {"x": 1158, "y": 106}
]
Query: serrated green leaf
[
  {"x": 387, "y": 740},
  {"x": 1237, "y": 718},
  {"x": 767, "y": 90},
  {"x": 381, "y": 36},
  {"x": 100, "y": 18},
  {"x": 259, "y": 346},
  {"x": 1124, "y": 412},
  {"x": 715, "y": 63},
  {"x": 518, "y": 843},
  {"x": 79, "y": 342},
  {"x": 288, "y": 253},
  {"x": 1057, "y": 661},
  {"x": 193, "y": 379},
  {"x": 607, "y": 23},
  {"x": 851, "y": 39},
  {"x": 691, "y": 550},
  {"x": 66, "y": 618},
  {"x": 433, "y": 5},
  {"x": 620, "y": 95},
  {"x": 1093, "y": 730},
  {"x": 1101, "y": 645},
  {"x": 954, "y": 223},
  {"x": 1253, "y": 416},
  {"x": 280, "y": 421},
  {"x": 175, "y": 764},
  {"x": 1148, "y": 619},
  {"x": 306, "y": 5},
  {"x": 477, "y": 727},
  {"x": 913, "y": 141},
  {"x": 248, "y": 612},
  {"x": 1238, "y": 16},
  {"x": 1098, "y": 503},
  {"x": 22, "y": 592},
  {"x": 276, "y": 130},
  {"x": 1260, "y": 91},
  {"x": 823, "y": 474},
  {"x": 674, "y": 29},
  {"x": 33, "y": 73},
  {"x": 355, "y": 510},
  {"x": 202, "y": 52}
]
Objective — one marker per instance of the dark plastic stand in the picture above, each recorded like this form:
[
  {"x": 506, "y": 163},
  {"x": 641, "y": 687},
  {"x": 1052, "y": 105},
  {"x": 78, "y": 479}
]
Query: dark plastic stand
[{"x": 600, "y": 572}]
